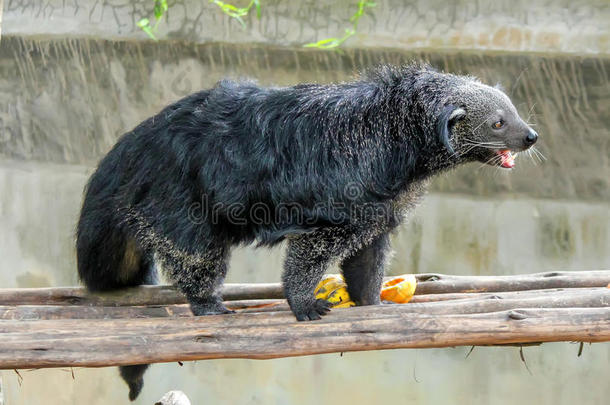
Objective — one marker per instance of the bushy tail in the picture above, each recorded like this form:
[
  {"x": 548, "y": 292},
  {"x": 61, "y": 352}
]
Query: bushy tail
[
  {"x": 109, "y": 258},
  {"x": 134, "y": 377}
]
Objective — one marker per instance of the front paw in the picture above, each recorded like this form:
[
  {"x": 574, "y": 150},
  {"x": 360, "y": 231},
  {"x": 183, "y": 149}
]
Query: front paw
[
  {"x": 215, "y": 307},
  {"x": 311, "y": 311}
]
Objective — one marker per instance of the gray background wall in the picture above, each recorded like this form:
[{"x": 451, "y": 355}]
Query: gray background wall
[{"x": 75, "y": 75}]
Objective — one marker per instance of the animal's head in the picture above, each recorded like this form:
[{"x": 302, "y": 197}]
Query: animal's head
[{"x": 480, "y": 123}]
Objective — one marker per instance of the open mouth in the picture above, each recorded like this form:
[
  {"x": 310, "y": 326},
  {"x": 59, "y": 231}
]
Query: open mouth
[{"x": 507, "y": 158}]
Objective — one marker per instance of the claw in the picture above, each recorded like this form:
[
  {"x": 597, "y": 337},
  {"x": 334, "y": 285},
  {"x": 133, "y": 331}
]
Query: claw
[
  {"x": 320, "y": 307},
  {"x": 210, "y": 308},
  {"x": 314, "y": 316}
]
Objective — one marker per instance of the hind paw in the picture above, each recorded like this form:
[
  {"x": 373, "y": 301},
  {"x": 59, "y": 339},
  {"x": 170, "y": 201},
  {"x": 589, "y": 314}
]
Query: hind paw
[{"x": 209, "y": 308}]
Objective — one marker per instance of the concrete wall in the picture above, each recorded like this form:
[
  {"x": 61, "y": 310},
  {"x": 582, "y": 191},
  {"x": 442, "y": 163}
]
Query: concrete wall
[
  {"x": 567, "y": 26},
  {"x": 75, "y": 75},
  {"x": 456, "y": 234},
  {"x": 67, "y": 101}
]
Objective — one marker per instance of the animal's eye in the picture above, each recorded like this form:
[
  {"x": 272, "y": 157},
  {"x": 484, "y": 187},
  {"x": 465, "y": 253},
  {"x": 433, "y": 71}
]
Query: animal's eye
[{"x": 498, "y": 124}]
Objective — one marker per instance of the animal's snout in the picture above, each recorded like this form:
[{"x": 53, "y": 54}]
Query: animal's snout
[{"x": 531, "y": 137}]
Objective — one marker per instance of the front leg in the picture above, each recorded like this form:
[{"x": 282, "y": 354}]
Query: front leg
[
  {"x": 306, "y": 262},
  {"x": 308, "y": 258},
  {"x": 364, "y": 271}
]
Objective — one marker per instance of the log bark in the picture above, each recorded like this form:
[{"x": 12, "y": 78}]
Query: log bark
[
  {"x": 498, "y": 295},
  {"x": 50, "y": 312},
  {"x": 427, "y": 284},
  {"x": 96, "y": 343},
  {"x": 153, "y": 324},
  {"x": 143, "y": 295},
  {"x": 471, "y": 304},
  {"x": 441, "y": 283}
]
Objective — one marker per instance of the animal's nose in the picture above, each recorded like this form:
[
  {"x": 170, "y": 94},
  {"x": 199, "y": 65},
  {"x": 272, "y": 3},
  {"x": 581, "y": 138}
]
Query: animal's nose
[{"x": 531, "y": 138}]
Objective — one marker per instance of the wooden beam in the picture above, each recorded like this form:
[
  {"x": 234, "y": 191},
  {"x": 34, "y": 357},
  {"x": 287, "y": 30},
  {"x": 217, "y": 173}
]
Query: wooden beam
[
  {"x": 474, "y": 303},
  {"x": 49, "y": 312},
  {"x": 496, "y": 295},
  {"x": 143, "y": 295},
  {"x": 97, "y": 343},
  {"x": 443, "y": 283},
  {"x": 427, "y": 284}
]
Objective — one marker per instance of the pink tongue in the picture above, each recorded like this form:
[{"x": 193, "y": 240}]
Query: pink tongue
[{"x": 508, "y": 160}]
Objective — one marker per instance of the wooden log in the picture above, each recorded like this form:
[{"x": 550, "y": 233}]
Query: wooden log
[
  {"x": 97, "y": 343},
  {"x": 499, "y": 295},
  {"x": 142, "y": 295},
  {"x": 592, "y": 298},
  {"x": 475, "y": 303},
  {"x": 258, "y": 305},
  {"x": 49, "y": 312},
  {"x": 427, "y": 284},
  {"x": 432, "y": 283}
]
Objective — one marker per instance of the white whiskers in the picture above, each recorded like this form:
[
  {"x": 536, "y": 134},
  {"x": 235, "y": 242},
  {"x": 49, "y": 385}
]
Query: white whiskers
[
  {"x": 489, "y": 161},
  {"x": 538, "y": 154},
  {"x": 470, "y": 144},
  {"x": 529, "y": 113},
  {"x": 529, "y": 154}
]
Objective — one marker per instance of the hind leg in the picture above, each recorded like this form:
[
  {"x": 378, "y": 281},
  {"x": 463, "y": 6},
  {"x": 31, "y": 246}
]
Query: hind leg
[
  {"x": 364, "y": 271},
  {"x": 148, "y": 271},
  {"x": 200, "y": 278}
]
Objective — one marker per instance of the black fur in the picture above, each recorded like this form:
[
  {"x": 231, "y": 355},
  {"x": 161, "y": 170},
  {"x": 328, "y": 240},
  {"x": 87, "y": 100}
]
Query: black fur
[
  {"x": 134, "y": 377},
  {"x": 333, "y": 169}
]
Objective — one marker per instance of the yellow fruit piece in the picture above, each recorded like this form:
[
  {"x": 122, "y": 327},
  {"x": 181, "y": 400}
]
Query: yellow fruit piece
[
  {"x": 333, "y": 289},
  {"x": 399, "y": 289}
]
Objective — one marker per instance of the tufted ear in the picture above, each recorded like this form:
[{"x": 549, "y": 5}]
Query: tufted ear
[
  {"x": 448, "y": 117},
  {"x": 500, "y": 87}
]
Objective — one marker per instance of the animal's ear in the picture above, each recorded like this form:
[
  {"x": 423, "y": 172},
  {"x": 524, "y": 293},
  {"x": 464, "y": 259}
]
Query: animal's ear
[
  {"x": 500, "y": 87},
  {"x": 448, "y": 117}
]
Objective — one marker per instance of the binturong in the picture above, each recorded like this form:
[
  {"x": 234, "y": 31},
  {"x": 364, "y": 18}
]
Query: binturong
[{"x": 330, "y": 169}]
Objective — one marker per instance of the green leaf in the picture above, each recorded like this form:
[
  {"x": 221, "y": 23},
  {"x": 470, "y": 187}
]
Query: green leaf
[
  {"x": 321, "y": 43},
  {"x": 144, "y": 22},
  {"x": 257, "y": 3},
  {"x": 332, "y": 43},
  {"x": 160, "y": 8},
  {"x": 238, "y": 12},
  {"x": 229, "y": 7},
  {"x": 243, "y": 24}
]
